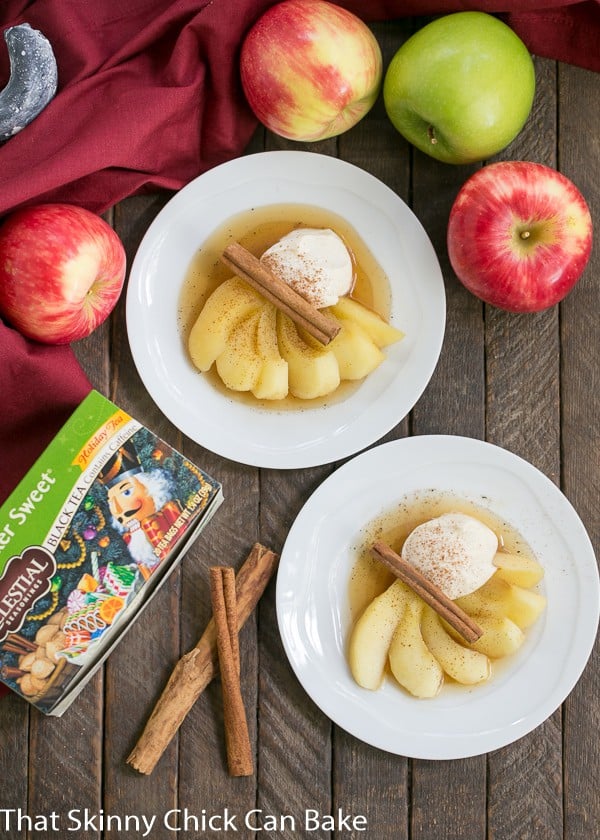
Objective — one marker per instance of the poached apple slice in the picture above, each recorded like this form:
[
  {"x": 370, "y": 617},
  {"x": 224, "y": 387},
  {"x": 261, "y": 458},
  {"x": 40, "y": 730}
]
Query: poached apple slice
[
  {"x": 382, "y": 333},
  {"x": 230, "y": 303},
  {"x": 312, "y": 372},
  {"x": 240, "y": 364},
  {"x": 272, "y": 383},
  {"x": 356, "y": 352}
]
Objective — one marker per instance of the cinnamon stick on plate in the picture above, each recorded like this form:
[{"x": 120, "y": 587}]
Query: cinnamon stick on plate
[
  {"x": 428, "y": 591},
  {"x": 195, "y": 669},
  {"x": 237, "y": 739},
  {"x": 245, "y": 265}
]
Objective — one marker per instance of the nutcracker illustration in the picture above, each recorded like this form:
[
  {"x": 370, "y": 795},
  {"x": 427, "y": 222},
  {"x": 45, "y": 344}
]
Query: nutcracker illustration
[{"x": 142, "y": 506}]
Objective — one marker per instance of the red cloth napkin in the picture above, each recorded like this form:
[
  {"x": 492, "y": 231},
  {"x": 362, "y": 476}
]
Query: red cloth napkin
[
  {"x": 41, "y": 387},
  {"x": 149, "y": 97}
]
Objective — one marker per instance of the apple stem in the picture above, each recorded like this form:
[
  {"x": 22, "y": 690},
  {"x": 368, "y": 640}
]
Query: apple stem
[
  {"x": 431, "y": 135},
  {"x": 525, "y": 234}
]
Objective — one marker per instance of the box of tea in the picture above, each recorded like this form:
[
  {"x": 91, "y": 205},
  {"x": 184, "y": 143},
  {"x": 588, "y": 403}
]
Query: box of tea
[{"x": 86, "y": 538}]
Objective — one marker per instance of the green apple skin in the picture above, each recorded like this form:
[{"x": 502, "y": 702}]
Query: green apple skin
[{"x": 461, "y": 88}]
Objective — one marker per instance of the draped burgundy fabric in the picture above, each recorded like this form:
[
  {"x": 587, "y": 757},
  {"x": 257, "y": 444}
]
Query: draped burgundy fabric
[
  {"x": 149, "y": 97},
  {"x": 40, "y": 386},
  {"x": 149, "y": 93}
]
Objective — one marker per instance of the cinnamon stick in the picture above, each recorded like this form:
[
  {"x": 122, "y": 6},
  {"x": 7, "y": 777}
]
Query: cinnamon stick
[
  {"x": 237, "y": 739},
  {"x": 196, "y": 669},
  {"x": 21, "y": 641},
  {"x": 230, "y": 601},
  {"x": 245, "y": 265},
  {"x": 428, "y": 591},
  {"x": 7, "y": 672},
  {"x": 10, "y": 647}
]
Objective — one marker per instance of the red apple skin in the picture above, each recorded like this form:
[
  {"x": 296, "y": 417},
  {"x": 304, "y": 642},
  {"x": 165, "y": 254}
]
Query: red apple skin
[
  {"x": 310, "y": 69},
  {"x": 519, "y": 235},
  {"x": 62, "y": 270}
]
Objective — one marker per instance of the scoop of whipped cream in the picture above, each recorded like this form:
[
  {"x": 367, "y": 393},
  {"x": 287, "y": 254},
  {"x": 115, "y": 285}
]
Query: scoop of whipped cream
[
  {"x": 454, "y": 551},
  {"x": 313, "y": 261}
]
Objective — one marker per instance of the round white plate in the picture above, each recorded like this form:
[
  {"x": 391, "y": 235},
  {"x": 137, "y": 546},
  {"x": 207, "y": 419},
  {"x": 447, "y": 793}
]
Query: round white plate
[
  {"x": 264, "y": 437},
  {"x": 312, "y": 602}
]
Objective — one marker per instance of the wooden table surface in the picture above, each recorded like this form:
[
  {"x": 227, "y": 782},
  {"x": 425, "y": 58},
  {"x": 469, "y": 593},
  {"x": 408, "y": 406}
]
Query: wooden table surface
[{"x": 528, "y": 383}]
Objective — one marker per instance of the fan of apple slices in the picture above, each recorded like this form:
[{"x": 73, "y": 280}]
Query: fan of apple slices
[
  {"x": 257, "y": 348},
  {"x": 398, "y": 629}
]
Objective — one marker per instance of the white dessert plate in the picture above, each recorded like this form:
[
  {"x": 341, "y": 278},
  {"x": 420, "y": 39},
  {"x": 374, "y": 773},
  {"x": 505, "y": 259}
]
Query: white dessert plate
[
  {"x": 313, "y": 613},
  {"x": 253, "y": 434}
]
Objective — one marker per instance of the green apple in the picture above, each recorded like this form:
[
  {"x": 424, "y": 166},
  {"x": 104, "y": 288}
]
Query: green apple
[{"x": 461, "y": 88}]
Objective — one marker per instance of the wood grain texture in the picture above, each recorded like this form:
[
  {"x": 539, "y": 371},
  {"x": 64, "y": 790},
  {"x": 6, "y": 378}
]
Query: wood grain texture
[
  {"x": 294, "y": 751},
  {"x": 14, "y": 754},
  {"x": 151, "y": 647},
  {"x": 526, "y": 786},
  {"x": 60, "y": 749},
  {"x": 232, "y": 532},
  {"x": 579, "y": 153},
  {"x": 453, "y": 402},
  {"x": 447, "y": 797},
  {"x": 523, "y": 401},
  {"x": 372, "y": 783},
  {"x": 374, "y": 144}
]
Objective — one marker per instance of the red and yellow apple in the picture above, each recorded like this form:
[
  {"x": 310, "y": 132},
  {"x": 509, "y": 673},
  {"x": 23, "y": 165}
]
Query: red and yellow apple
[
  {"x": 519, "y": 235},
  {"x": 461, "y": 88},
  {"x": 310, "y": 69},
  {"x": 62, "y": 269}
]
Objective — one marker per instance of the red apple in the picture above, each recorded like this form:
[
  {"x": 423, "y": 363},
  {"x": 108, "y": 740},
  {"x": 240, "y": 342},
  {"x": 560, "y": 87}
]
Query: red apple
[
  {"x": 519, "y": 235},
  {"x": 61, "y": 271},
  {"x": 310, "y": 69}
]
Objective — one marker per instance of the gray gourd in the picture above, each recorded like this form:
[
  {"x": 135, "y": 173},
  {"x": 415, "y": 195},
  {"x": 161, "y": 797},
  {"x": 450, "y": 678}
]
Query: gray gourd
[{"x": 33, "y": 79}]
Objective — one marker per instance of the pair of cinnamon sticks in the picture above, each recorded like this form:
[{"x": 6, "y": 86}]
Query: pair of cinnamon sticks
[{"x": 195, "y": 670}]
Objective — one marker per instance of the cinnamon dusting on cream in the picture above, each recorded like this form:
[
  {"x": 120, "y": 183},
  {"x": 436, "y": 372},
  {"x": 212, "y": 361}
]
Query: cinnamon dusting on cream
[
  {"x": 315, "y": 262},
  {"x": 455, "y": 551}
]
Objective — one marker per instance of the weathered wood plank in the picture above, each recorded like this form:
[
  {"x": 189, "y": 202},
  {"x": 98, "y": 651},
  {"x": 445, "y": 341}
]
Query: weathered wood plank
[
  {"x": 525, "y": 797},
  {"x": 294, "y": 757},
  {"x": 140, "y": 665},
  {"x": 374, "y": 144},
  {"x": 14, "y": 757},
  {"x": 448, "y": 799},
  {"x": 579, "y": 153},
  {"x": 203, "y": 775},
  {"x": 453, "y": 400},
  {"x": 523, "y": 398},
  {"x": 373, "y": 784}
]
